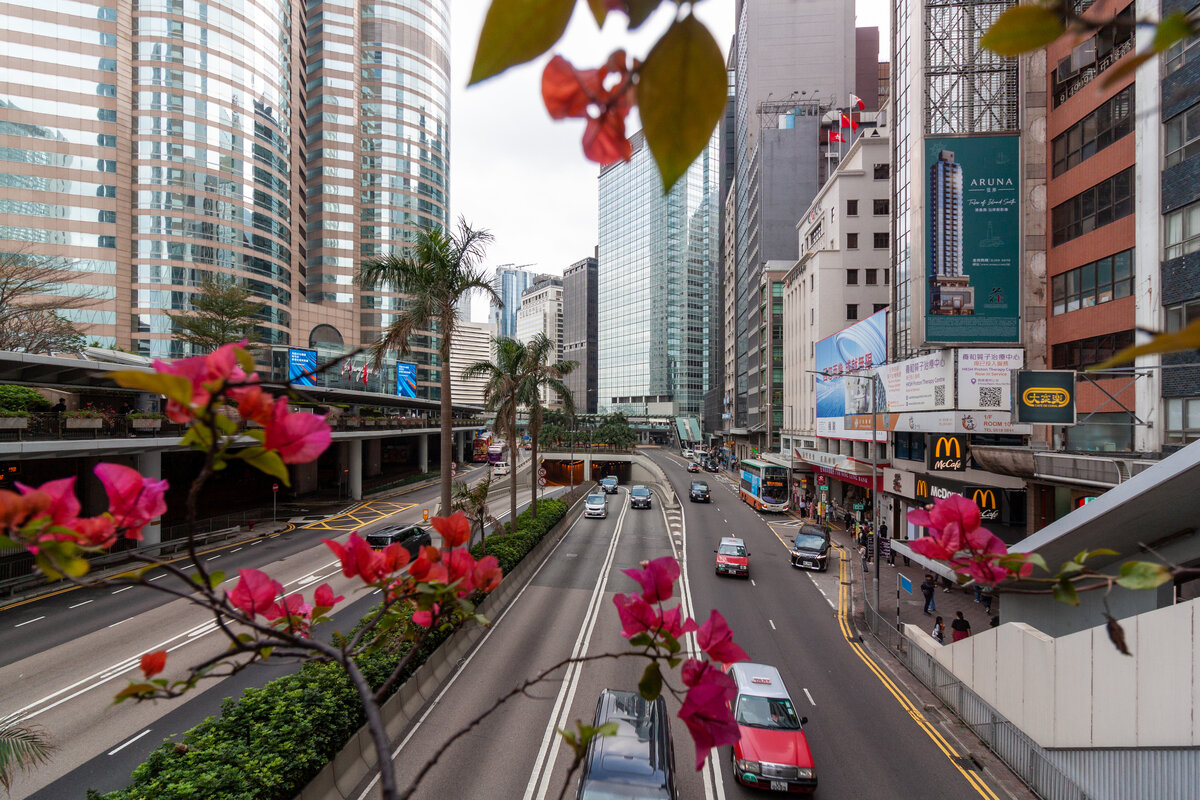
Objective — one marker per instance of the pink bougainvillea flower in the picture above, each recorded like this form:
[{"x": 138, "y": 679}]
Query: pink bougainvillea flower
[
  {"x": 425, "y": 618},
  {"x": 455, "y": 529},
  {"x": 64, "y": 506},
  {"x": 603, "y": 96},
  {"x": 428, "y": 566},
  {"x": 986, "y": 573},
  {"x": 715, "y": 639},
  {"x": 153, "y": 663},
  {"x": 949, "y": 510},
  {"x": 358, "y": 559},
  {"x": 673, "y": 622},
  {"x": 255, "y": 593},
  {"x": 933, "y": 547},
  {"x": 133, "y": 500},
  {"x": 395, "y": 557},
  {"x": 461, "y": 567},
  {"x": 323, "y": 597},
  {"x": 487, "y": 574},
  {"x": 299, "y": 438},
  {"x": 706, "y": 709},
  {"x": 254, "y": 404},
  {"x": 657, "y": 579},
  {"x": 97, "y": 531},
  {"x": 637, "y": 616}
]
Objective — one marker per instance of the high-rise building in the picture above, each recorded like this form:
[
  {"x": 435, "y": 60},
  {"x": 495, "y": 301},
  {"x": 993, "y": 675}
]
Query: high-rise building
[
  {"x": 472, "y": 343},
  {"x": 509, "y": 282},
  {"x": 656, "y": 258},
  {"x": 580, "y": 295},
  {"x": 541, "y": 314},
  {"x": 154, "y": 144},
  {"x": 949, "y": 289}
]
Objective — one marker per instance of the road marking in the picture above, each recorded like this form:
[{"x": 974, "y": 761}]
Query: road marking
[
  {"x": 254, "y": 543},
  {"x": 809, "y": 696},
  {"x": 772, "y": 623},
  {"x": 231, "y": 552},
  {"x": 752, "y": 583},
  {"x": 214, "y": 558},
  {"x": 84, "y": 603},
  {"x": 123, "y": 589},
  {"x": 155, "y": 578},
  {"x": 115, "y": 624},
  {"x": 131, "y": 741},
  {"x": 26, "y": 622}
]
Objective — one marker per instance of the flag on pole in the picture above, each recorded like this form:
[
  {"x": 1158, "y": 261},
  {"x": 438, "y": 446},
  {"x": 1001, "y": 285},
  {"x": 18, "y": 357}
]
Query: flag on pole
[
  {"x": 834, "y": 136},
  {"x": 365, "y": 372},
  {"x": 857, "y": 101},
  {"x": 347, "y": 368},
  {"x": 848, "y": 122}
]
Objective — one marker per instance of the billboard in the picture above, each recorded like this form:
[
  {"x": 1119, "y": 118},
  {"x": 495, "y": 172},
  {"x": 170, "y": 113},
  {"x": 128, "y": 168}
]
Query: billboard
[
  {"x": 858, "y": 347},
  {"x": 946, "y": 452},
  {"x": 1045, "y": 396},
  {"x": 302, "y": 365},
  {"x": 905, "y": 390},
  {"x": 985, "y": 378},
  {"x": 406, "y": 379},
  {"x": 972, "y": 242}
]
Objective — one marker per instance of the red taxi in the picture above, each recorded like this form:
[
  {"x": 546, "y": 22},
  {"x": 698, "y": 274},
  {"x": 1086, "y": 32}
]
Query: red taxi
[
  {"x": 733, "y": 558},
  {"x": 773, "y": 752}
]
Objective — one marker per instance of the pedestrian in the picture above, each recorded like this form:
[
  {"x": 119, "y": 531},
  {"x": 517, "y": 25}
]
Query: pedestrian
[
  {"x": 862, "y": 552},
  {"x": 59, "y": 407},
  {"x": 995, "y": 622},
  {"x": 978, "y": 592},
  {"x": 945, "y": 584},
  {"x": 960, "y": 628},
  {"x": 927, "y": 593},
  {"x": 987, "y": 600},
  {"x": 939, "y": 631},
  {"x": 885, "y": 551}
]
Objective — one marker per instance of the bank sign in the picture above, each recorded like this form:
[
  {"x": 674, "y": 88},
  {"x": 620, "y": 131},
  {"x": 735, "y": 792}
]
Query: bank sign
[{"x": 972, "y": 241}]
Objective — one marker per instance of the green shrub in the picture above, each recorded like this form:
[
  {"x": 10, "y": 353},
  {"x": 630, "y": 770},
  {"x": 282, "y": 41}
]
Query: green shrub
[{"x": 22, "y": 398}]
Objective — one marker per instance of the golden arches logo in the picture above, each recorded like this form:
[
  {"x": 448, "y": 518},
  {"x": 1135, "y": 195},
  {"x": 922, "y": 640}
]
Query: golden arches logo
[
  {"x": 948, "y": 444},
  {"x": 1045, "y": 397},
  {"x": 922, "y": 488},
  {"x": 984, "y": 498}
]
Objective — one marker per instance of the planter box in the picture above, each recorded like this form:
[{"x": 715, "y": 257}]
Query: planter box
[
  {"x": 14, "y": 423},
  {"x": 145, "y": 424},
  {"x": 350, "y": 423},
  {"x": 85, "y": 423}
]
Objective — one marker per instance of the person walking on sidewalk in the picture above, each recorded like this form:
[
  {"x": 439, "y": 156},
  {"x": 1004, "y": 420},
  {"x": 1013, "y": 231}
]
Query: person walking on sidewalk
[
  {"x": 927, "y": 593},
  {"x": 939, "y": 631},
  {"x": 960, "y": 627}
]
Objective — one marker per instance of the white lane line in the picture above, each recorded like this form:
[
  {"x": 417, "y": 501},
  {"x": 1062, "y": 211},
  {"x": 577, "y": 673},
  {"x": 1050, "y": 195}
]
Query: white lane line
[
  {"x": 159, "y": 577},
  {"x": 123, "y": 589},
  {"x": 809, "y": 696},
  {"x": 234, "y": 550},
  {"x": 254, "y": 543},
  {"x": 752, "y": 583},
  {"x": 84, "y": 603},
  {"x": 131, "y": 741},
  {"x": 115, "y": 624},
  {"x": 26, "y": 622},
  {"x": 214, "y": 558},
  {"x": 831, "y": 605},
  {"x": 188, "y": 566},
  {"x": 772, "y": 622}
]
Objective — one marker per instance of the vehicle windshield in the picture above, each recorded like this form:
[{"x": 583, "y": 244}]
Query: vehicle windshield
[
  {"x": 595, "y": 499},
  {"x": 640, "y": 492},
  {"x": 809, "y": 541},
  {"x": 610, "y": 480},
  {"x": 699, "y": 487},
  {"x": 767, "y": 712},
  {"x": 732, "y": 550}
]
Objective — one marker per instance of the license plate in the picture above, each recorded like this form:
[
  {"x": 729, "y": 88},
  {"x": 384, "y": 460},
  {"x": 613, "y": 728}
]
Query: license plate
[
  {"x": 808, "y": 563},
  {"x": 779, "y": 786}
]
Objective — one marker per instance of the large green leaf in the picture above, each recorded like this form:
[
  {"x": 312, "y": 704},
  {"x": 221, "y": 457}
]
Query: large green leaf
[
  {"x": 1143, "y": 575},
  {"x": 173, "y": 387},
  {"x": 1064, "y": 592},
  {"x": 650, "y": 686},
  {"x": 268, "y": 461},
  {"x": 1186, "y": 339},
  {"x": 1023, "y": 28},
  {"x": 516, "y": 31},
  {"x": 681, "y": 96},
  {"x": 638, "y": 11}
]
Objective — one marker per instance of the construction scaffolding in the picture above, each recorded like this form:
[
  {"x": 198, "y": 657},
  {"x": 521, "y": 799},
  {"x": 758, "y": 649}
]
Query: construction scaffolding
[{"x": 967, "y": 89}]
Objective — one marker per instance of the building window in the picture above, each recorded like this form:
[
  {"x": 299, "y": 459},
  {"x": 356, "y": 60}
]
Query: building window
[
  {"x": 882, "y": 172},
  {"x": 852, "y": 311},
  {"x": 1093, "y": 56},
  {"x": 852, "y": 277},
  {"x": 1110, "y": 278},
  {"x": 1086, "y": 352},
  {"x": 851, "y": 241},
  {"x": 1093, "y": 133},
  {"x": 1180, "y": 53},
  {"x": 878, "y": 307},
  {"x": 879, "y": 207},
  {"x": 1182, "y": 315},
  {"x": 909, "y": 446},
  {"x": 1093, "y": 208},
  {"x": 872, "y": 277},
  {"x": 881, "y": 241},
  {"x": 886, "y": 278},
  {"x": 1183, "y": 419},
  {"x": 851, "y": 208},
  {"x": 1182, "y": 137},
  {"x": 1182, "y": 231}
]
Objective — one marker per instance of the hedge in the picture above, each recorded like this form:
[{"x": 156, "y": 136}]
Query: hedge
[
  {"x": 268, "y": 744},
  {"x": 22, "y": 398}
]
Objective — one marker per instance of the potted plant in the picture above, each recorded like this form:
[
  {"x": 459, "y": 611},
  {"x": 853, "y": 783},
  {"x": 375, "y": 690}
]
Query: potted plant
[
  {"x": 84, "y": 418},
  {"x": 350, "y": 422},
  {"x": 145, "y": 421},
  {"x": 13, "y": 420}
]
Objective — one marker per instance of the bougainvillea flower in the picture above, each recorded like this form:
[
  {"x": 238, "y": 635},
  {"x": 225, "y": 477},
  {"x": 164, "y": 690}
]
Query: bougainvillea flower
[
  {"x": 64, "y": 506},
  {"x": 395, "y": 557},
  {"x": 298, "y": 438},
  {"x": 715, "y": 639},
  {"x": 603, "y": 96},
  {"x": 952, "y": 509},
  {"x": 461, "y": 567},
  {"x": 706, "y": 710},
  {"x": 323, "y": 597},
  {"x": 96, "y": 531},
  {"x": 637, "y": 616},
  {"x": 133, "y": 500},
  {"x": 425, "y": 618},
  {"x": 254, "y": 404},
  {"x": 14, "y": 509},
  {"x": 255, "y": 593},
  {"x": 455, "y": 529},
  {"x": 358, "y": 559},
  {"x": 673, "y": 622},
  {"x": 657, "y": 578},
  {"x": 153, "y": 663},
  {"x": 428, "y": 566},
  {"x": 487, "y": 574}
]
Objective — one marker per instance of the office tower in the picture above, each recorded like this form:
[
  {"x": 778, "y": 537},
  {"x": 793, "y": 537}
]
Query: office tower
[
  {"x": 472, "y": 343},
  {"x": 949, "y": 292},
  {"x": 580, "y": 295},
  {"x": 541, "y": 314},
  {"x": 509, "y": 282},
  {"x": 156, "y": 143},
  {"x": 656, "y": 258}
]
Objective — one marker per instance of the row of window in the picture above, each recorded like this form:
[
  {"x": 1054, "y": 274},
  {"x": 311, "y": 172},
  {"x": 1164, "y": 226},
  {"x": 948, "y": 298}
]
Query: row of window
[
  {"x": 879, "y": 207},
  {"x": 852, "y": 309},
  {"x": 1093, "y": 133},
  {"x": 1183, "y": 419},
  {"x": 870, "y": 277},
  {"x": 1093, "y": 208},
  {"x": 1182, "y": 134},
  {"x": 879, "y": 241},
  {"x": 1083, "y": 353},
  {"x": 1181, "y": 231},
  {"x": 1110, "y": 278}
]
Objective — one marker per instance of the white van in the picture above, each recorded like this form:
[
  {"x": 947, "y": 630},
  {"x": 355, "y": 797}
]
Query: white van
[{"x": 500, "y": 468}]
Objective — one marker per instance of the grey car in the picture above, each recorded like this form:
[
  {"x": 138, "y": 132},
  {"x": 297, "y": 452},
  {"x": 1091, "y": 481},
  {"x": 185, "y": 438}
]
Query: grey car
[{"x": 596, "y": 505}]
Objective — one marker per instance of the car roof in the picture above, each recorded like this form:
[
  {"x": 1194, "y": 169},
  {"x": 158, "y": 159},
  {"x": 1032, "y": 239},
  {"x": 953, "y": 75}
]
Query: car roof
[
  {"x": 600, "y": 495},
  {"x": 700, "y": 483},
  {"x": 639, "y": 486},
  {"x": 630, "y": 755},
  {"x": 761, "y": 680},
  {"x": 608, "y": 478},
  {"x": 732, "y": 540}
]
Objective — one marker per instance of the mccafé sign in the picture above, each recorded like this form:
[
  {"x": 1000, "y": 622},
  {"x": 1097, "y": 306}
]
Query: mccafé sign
[
  {"x": 987, "y": 498},
  {"x": 946, "y": 452},
  {"x": 989, "y": 508}
]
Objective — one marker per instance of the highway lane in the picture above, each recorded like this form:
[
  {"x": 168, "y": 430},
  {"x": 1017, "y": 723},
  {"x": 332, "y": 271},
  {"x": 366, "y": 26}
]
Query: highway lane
[{"x": 861, "y": 730}]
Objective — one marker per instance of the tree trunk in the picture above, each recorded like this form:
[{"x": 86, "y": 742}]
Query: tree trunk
[
  {"x": 535, "y": 426},
  {"x": 447, "y": 421},
  {"x": 512, "y": 473}
]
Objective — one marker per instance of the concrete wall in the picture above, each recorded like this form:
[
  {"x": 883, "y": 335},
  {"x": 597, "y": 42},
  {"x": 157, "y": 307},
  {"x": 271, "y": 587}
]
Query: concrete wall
[{"x": 1078, "y": 691}]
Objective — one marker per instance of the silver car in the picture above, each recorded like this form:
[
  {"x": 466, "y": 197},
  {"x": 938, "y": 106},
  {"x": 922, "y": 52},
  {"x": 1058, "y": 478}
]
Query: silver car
[{"x": 596, "y": 505}]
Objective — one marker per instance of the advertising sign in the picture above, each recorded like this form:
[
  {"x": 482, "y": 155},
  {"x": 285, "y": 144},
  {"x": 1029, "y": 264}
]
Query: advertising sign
[
  {"x": 301, "y": 366},
  {"x": 406, "y": 379},
  {"x": 925, "y": 383},
  {"x": 985, "y": 378},
  {"x": 972, "y": 242},
  {"x": 1045, "y": 396},
  {"x": 858, "y": 347},
  {"x": 946, "y": 452}
]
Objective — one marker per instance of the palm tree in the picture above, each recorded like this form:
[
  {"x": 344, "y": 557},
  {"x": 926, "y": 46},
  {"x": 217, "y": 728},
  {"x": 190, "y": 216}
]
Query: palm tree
[
  {"x": 501, "y": 395},
  {"x": 538, "y": 375},
  {"x": 472, "y": 501},
  {"x": 440, "y": 271},
  {"x": 22, "y": 747}
]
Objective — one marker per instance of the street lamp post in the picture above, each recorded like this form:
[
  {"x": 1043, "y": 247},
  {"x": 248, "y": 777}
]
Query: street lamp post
[{"x": 791, "y": 450}]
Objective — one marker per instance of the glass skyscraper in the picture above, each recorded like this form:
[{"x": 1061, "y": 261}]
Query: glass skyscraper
[
  {"x": 509, "y": 282},
  {"x": 657, "y": 258}
]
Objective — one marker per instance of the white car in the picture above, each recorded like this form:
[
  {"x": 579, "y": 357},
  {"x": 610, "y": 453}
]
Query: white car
[
  {"x": 500, "y": 468},
  {"x": 596, "y": 505},
  {"x": 687, "y": 454}
]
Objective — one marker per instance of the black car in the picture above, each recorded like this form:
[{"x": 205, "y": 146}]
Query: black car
[
  {"x": 639, "y": 497},
  {"x": 810, "y": 549},
  {"x": 637, "y": 761},
  {"x": 413, "y": 537},
  {"x": 711, "y": 466},
  {"x": 609, "y": 484},
  {"x": 699, "y": 492}
]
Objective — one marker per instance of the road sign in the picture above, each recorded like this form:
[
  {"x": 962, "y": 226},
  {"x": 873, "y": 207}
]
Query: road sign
[
  {"x": 906, "y": 583},
  {"x": 275, "y": 487},
  {"x": 425, "y": 514},
  {"x": 542, "y": 472},
  {"x": 859, "y": 506},
  {"x": 541, "y": 481},
  {"x": 453, "y": 466}
]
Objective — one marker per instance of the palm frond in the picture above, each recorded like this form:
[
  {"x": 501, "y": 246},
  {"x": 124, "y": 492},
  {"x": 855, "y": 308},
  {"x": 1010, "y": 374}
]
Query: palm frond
[{"x": 23, "y": 747}]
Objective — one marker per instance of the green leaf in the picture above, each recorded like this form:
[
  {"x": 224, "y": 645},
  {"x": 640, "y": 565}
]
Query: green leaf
[
  {"x": 1186, "y": 339},
  {"x": 516, "y": 31},
  {"x": 599, "y": 11},
  {"x": 681, "y": 96},
  {"x": 650, "y": 686},
  {"x": 607, "y": 729},
  {"x": 198, "y": 436},
  {"x": 1070, "y": 568},
  {"x": 245, "y": 360},
  {"x": 1172, "y": 29},
  {"x": 133, "y": 690},
  {"x": 640, "y": 11},
  {"x": 224, "y": 424},
  {"x": 1064, "y": 592},
  {"x": 1102, "y": 551},
  {"x": 1143, "y": 575},
  {"x": 641, "y": 640},
  {"x": 174, "y": 387},
  {"x": 269, "y": 461},
  {"x": 1023, "y": 28}
]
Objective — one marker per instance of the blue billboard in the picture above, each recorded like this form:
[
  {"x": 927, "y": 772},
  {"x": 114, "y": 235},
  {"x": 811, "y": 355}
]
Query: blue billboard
[
  {"x": 859, "y": 347},
  {"x": 302, "y": 366},
  {"x": 406, "y": 379}
]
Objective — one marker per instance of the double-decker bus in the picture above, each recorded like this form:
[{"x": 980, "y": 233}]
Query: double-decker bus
[
  {"x": 497, "y": 452},
  {"x": 479, "y": 449},
  {"x": 764, "y": 486}
]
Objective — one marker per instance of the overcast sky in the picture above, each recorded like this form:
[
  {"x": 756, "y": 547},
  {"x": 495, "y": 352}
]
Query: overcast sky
[{"x": 523, "y": 176}]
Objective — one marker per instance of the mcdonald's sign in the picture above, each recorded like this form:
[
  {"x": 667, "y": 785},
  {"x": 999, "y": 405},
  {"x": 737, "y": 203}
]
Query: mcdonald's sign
[
  {"x": 946, "y": 452},
  {"x": 989, "y": 508}
]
